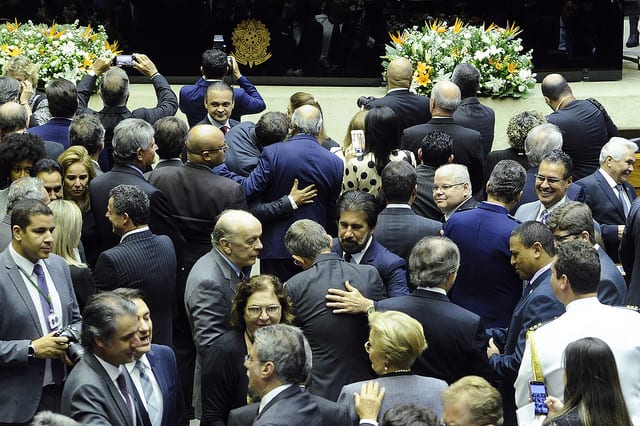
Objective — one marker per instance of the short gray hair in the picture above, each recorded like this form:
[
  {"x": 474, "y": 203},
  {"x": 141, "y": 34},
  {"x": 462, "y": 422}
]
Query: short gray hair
[
  {"x": 130, "y": 135},
  {"x": 432, "y": 260},
  {"x": 306, "y": 238},
  {"x": 305, "y": 121},
  {"x": 9, "y": 89},
  {"x": 133, "y": 201},
  {"x": 459, "y": 172},
  {"x": 26, "y": 187},
  {"x": 99, "y": 317},
  {"x": 541, "y": 140},
  {"x": 616, "y": 148},
  {"x": 114, "y": 87},
  {"x": 507, "y": 180},
  {"x": 448, "y": 104},
  {"x": 284, "y": 345}
]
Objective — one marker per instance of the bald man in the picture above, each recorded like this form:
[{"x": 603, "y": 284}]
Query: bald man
[
  {"x": 197, "y": 196},
  {"x": 585, "y": 124},
  {"x": 410, "y": 109},
  {"x": 467, "y": 143}
]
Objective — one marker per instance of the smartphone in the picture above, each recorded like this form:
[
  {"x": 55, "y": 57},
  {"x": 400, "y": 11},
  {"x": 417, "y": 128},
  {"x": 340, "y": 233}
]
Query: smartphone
[
  {"x": 357, "y": 141},
  {"x": 124, "y": 60},
  {"x": 538, "y": 393}
]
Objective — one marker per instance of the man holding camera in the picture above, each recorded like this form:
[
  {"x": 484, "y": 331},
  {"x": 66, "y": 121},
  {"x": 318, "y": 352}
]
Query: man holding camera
[{"x": 38, "y": 301}]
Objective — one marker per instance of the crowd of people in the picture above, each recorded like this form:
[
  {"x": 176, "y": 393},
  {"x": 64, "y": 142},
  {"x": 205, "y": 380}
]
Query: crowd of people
[{"x": 424, "y": 280}]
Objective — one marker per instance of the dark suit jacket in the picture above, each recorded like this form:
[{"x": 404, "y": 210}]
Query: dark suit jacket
[
  {"x": 55, "y": 130},
  {"x": 391, "y": 267},
  {"x": 173, "y": 162},
  {"x": 399, "y": 229},
  {"x": 330, "y": 413},
  {"x": 164, "y": 368},
  {"x": 612, "y": 289},
  {"x": 337, "y": 356},
  {"x": 456, "y": 337},
  {"x": 300, "y": 157},
  {"x": 629, "y": 245},
  {"x": 53, "y": 149},
  {"x": 293, "y": 406},
  {"x": 410, "y": 109},
  {"x": 606, "y": 209},
  {"x": 21, "y": 377},
  {"x": 244, "y": 149},
  {"x": 161, "y": 221},
  {"x": 247, "y": 100},
  {"x": 487, "y": 284},
  {"x": 473, "y": 115},
  {"x": 424, "y": 203},
  {"x": 467, "y": 145},
  {"x": 147, "y": 262},
  {"x": 91, "y": 398}
]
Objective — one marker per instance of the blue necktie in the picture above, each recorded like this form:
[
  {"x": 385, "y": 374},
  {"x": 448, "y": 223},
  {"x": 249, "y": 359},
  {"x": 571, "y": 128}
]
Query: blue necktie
[
  {"x": 147, "y": 389},
  {"x": 44, "y": 293},
  {"x": 621, "y": 200}
]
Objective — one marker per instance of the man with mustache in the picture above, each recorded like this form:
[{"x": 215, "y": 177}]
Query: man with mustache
[{"x": 608, "y": 192}]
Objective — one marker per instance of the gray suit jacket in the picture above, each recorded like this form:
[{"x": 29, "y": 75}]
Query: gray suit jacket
[
  {"x": 528, "y": 211},
  {"x": 5, "y": 232},
  {"x": 400, "y": 389},
  {"x": 91, "y": 398},
  {"x": 21, "y": 377}
]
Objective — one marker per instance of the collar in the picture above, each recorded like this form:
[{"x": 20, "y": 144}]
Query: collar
[
  {"x": 112, "y": 371},
  {"x": 131, "y": 365},
  {"x": 398, "y": 206},
  {"x": 448, "y": 215},
  {"x": 25, "y": 265},
  {"x": 269, "y": 396},
  {"x": 558, "y": 203},
  {"x": 134, "y": 231},
  {"x": 239, "y": 272},
  {"x": 588, "y": 303},
  {"x": 612, "y": 183},
  {"x": 540, "y": 272},
  {"x": 357, "y": 257},
  {"x": 398, "y": 89},
  {"x": 434, "y": 290},
  {"x": 216, "y": 123},
  {"x": 136, "y": 168},
  {"x": 162, "y": 160}
]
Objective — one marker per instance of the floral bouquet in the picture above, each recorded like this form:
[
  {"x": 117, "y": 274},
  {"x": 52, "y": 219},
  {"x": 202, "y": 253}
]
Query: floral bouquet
[
  {"x": 436, "y": 49},
  {"x": 60, "y": 51}
]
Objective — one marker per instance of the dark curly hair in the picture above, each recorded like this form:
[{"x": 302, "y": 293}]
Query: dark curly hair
[
  {"x": 254, "y": 284},
  {"x": 17, "y": 147}
]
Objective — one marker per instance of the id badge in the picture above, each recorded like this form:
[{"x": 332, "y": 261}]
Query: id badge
[{"x": 54, "y": 321}]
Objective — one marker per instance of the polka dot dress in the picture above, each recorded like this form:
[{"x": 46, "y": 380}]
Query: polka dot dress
[{"x": 360, "y": 173}]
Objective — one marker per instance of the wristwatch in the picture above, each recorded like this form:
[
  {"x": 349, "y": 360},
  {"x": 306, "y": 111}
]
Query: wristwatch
[{"x": 31, "y": 351}]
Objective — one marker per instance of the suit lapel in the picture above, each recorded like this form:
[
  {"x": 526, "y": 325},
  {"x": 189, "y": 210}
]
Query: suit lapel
[
  {"x": 21, "y": 287},
  {"x": 116, "y": 396},
  {"x": 606, "y": 189},
  {"x": 158, "y": 372},
  {"x": 287, "y": 393}
]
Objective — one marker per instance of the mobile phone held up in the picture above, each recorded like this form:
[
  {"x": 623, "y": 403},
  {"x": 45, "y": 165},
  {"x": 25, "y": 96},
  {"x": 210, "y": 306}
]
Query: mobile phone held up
[
  {"x": 538, "y": 393},
  {"x": 357, "y": 141},
  {"x": 124, "y": 60}
]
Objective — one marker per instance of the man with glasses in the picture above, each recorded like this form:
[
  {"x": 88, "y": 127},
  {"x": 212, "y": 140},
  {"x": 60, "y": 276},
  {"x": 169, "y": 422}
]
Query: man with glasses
[
  {"x": 487, "y": 284},
  {"x": 551, "y": 183},
  {"x": 452, "y": 189}
]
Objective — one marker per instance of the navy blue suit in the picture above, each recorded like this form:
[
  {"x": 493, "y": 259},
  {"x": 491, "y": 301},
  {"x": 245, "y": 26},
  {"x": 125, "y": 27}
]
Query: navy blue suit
[
  {"x": 300, "y": 157},
  {"x": 55, "y": 130},
  {"x": 292, "y": 407},
  {"x": 163, "y": 364},
  {"x": 391, "y": 267},
  {"x": 612, "y": 289},
  {"x": 487, "y": 284},
  {"x": 410, "y": 109},
  {"x": 247, "y": 100},
  {"x": 629, "y": 245},
  {"x": 606, "y": 209}
]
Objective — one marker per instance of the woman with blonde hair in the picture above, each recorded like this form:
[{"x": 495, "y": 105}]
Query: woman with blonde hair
[
  {"x": 396, "y": 340},
  {"x": 26, "y": 72},
  {"x": 356, "y": 123},
  {"x": 66, "y": 238}
]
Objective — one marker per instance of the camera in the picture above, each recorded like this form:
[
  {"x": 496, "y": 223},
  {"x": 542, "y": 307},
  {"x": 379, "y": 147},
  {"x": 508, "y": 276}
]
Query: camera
[
  {"x": 124, "y": 60},
  {"x": 218, "y": 42},
  {"x": 363, "y": 101},
  {"x": 75, "y": 351}
]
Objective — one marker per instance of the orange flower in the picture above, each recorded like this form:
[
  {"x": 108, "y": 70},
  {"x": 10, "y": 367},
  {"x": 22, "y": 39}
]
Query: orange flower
[
  {"x": 512, "y": 68},
  {"x": 498, "y": 66},
  {"x": 52, "y": 31},
  {"x": 87, "y": 32},
  {"x": 12, "y": 27},
  {"x": 491, "y": 27},
  {"x": 15, "y": 51},
  {"x": 421, "y": 68},
  {"x": 423, "y": 74},
  {"x": 458, "y": 26},
  {"x": 86, "y": 61},
  {"x": 398, "y": 38},
  {"x": 423, "y": 79},
  {"x": 113, "y": 49},
  {"x": 513, "y": 30},
  {"x": 439, "y": 27}
]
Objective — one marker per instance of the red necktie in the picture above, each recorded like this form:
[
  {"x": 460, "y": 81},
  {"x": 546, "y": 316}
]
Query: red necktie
[{"x": 224, "y": 129}]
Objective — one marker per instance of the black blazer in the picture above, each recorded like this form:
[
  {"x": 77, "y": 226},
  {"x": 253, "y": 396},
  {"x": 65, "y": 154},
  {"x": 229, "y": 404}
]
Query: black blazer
[
  {"x": 473, "y": 115},
  {"x": 410, "y": 109},
  {"x": 467, "y": 146}
]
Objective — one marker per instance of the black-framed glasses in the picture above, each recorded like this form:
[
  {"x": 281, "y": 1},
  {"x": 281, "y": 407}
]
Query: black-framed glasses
[
  {"x": 445, "y": 188},
  {"x": 256, "y": 311},
  {"x": 565, "y": 237},
  {"x": 549, "y": 179}
]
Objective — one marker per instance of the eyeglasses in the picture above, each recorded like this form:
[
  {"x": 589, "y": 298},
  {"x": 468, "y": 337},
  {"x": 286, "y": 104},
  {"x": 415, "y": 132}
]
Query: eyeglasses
[
  {"x": 248, "y": 359},
  {"x": 550, "y": 180},
  {"x": 224, "y": 148},
  {"x": 445, "y": 188},
  {"x": 565, "y": 237},
  {"x": 256, "y": 311},
  {"x": 368, "y": 346}
]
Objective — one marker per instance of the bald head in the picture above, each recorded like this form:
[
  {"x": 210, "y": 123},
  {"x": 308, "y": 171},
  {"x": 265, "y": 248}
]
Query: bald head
[
  {"x": 13, "y": 118},
  {"x": 399, "y": 73},
  {"x": 307, "y": 119},
  {"x": 203, "y": 143},
  {"x": 237, "y": 236},
  {"x": 554, "y": 87},
  {"x": 445, "y": 98}
]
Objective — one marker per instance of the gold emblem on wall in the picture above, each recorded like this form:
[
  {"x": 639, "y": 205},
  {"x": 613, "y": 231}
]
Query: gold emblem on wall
[{"x": 251, "y": 39}]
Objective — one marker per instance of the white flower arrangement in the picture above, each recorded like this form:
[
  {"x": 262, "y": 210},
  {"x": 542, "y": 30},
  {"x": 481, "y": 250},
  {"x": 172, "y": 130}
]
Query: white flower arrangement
[
  {"x": 437, "y": 48},
  {"x": 60, "y": 51}
]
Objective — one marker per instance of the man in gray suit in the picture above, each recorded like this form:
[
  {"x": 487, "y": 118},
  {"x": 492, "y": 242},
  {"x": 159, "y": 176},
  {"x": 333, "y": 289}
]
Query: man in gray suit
[
  {"x": 551, "y": 183},
  {"x": 212, "y": 281},
  {"x": 98, "y": 390},
  {"x": 26, "y": 187},
  {"x": 37, "y": 300}
]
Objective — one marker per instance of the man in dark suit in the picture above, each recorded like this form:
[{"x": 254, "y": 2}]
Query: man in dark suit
[
  {"x": 301, "y": 157},
  {"x": 532, "y": 250},
  {"x": 154, "y": 369},
  {"x": 435, "y": 151},
  {"x": 356, "y": 244},
  {"x": 399, "y": 228},
  {"x": 99, "y": 389},
  {"x": 410, "y": 109},
  {"x": 471, "y": 113},
  {"x": 275, "y": 362},
  {"x": 219, "y": 101},
  {"x": 169, "y": 134},
  {"x": 31, "y": 356},
  {"x": 214, "y": 66},
  {"x": 585, "y": 125},
  {"x": 456, "y": 336},
  {"x": 467, "y": 143},
  {"x": 142, "y": 260},
  {"x": 114, "y": 92},
  {"x": 628, "y": 248},
  {"x": 337, "y": 356},
  {"x": 486, "y": 283},
  {"x": 63, "y": 103},
  {"x": 572, "y": 221},
  {"x": 133, "y": 151},
  {"x": 608, "y": 192}
]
